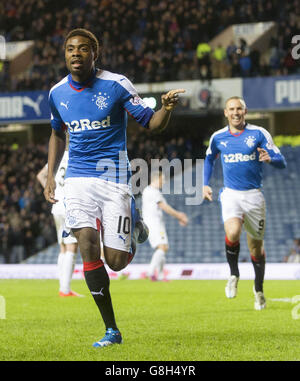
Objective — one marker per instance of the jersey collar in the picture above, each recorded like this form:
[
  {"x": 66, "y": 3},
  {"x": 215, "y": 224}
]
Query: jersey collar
[
  {"x": 237, "y": 133},
  {"x": 79, "y": 86}
]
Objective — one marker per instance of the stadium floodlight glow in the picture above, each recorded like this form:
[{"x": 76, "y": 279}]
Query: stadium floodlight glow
[
  {"x": 2, "y": 48},
  {"x": 150, "y": 102}
]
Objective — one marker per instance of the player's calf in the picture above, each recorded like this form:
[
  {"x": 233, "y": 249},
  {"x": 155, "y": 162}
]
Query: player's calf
[
  {"x": 259, "y": 263},
  {"x": 232, "y": 255}
]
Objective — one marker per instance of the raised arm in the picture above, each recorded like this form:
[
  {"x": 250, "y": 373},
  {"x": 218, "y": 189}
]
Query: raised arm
[{"x": 160, "y": 118}]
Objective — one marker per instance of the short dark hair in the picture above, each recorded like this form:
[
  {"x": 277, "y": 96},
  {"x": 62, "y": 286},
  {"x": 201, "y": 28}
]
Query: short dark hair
[{"x": 84, "y": 33}]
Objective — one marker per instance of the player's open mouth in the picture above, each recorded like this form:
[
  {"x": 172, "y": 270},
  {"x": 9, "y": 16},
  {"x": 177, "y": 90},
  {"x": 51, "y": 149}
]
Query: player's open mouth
[{"x": 76, "y": 64}]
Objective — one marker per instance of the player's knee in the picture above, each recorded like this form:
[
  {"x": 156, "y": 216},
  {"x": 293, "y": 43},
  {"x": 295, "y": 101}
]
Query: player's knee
[
  {"x": 117, "y": 265},
  {"x": 87, "y": 247},
  {"x": 163, "y": 247},
  {"x": 233, "y": 235},
  {"x": 88, "y": 241},
  {"x": 257, "y": 252},
  {"x": 117, "y": 262}
]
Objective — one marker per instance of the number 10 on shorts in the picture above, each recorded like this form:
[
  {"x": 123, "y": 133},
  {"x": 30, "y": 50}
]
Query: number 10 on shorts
[
  {"x": 124, "y": 225},
  {"x": 2, "y": 307}
]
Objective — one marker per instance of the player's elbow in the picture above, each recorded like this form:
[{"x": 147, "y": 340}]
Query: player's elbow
[
  {"x": 282, "y": 164},
  {"x": 279, "y": 163}
]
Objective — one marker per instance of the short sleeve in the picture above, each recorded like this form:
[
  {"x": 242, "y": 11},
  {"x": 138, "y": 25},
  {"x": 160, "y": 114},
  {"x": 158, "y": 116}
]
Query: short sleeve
[
  {"x": 56, "y": 121},
  {"x": 133, "y": 103}
]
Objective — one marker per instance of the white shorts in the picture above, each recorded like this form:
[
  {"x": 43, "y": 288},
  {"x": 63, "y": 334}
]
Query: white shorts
[
  {"x": 157, "y": 233},
  {"x": 59, "y": 220},
  {"x": 249, "y": 206},
  {"x": 94, "y": 202}
]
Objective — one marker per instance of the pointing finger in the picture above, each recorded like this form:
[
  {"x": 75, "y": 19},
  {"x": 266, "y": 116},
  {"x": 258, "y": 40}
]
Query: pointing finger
[{"x": 175, "y": 93}]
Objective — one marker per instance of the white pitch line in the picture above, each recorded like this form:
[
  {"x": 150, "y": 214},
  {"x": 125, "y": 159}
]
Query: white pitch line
[{"x": 287, "y": 300}]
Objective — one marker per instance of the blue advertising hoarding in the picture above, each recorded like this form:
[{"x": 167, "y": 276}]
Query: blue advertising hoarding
[
  {"x": 260, "y": 93},
  {"x": 272, "y": 93},
  {"x": 29, "y": 106}
]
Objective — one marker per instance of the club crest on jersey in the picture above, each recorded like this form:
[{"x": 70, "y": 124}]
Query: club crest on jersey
[
  {"x": 101, "y": 100},
  {"x": 71, "y": 220},
  {"x": 250, "y": 141}
]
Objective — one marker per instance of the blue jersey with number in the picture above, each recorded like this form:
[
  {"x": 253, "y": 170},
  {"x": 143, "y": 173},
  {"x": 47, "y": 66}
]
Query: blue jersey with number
[
  {"x": 242, "y": 169},
  {"x": 95, "y": 114}
]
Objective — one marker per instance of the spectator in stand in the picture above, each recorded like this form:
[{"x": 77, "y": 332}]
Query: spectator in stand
[
  {"x": 255, "y": 63},
  {"x": 245, "y": 64},
  {"x": 235, "y": 66},
  {"x": 219, "y": 62},
  {"x": 204, "y": 61},
  {"x": 231, "y": 51},
  {"x": 5, "y": 241},
  {"x": 294, "y": 254},
  {"x": 290, "y": 65},
  {"x": 17, "y": 249}
]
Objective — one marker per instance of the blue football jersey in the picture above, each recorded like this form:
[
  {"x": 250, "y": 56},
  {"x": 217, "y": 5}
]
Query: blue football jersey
[
  {"x": 242, "y": 169},
  {"x": 95, "y": 114}
]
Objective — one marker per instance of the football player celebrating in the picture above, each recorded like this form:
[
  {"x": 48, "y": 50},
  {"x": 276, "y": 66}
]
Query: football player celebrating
[
  {"x": 93, "y": 105},
  {"x": 243, "y": 149}
]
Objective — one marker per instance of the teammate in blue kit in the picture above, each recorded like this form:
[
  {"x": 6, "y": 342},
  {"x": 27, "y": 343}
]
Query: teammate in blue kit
[
  {"x": 93, "y": 105},
  {"x": 243, "y": 148}
]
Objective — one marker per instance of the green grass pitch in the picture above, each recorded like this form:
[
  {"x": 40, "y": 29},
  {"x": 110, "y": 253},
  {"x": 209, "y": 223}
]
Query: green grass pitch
[{"x": 183, "y": 320}]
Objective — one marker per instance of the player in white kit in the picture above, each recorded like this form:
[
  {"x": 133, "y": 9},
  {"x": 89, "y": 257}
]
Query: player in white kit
[
  {"x": 68, "y": 245},
  {"x": 153, "y": 206},
  {"x": 243, "y": 148}
]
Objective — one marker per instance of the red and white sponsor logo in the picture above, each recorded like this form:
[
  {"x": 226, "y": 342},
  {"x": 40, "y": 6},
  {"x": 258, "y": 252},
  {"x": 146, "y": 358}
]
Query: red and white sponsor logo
[{"x": 136, "y": 100}]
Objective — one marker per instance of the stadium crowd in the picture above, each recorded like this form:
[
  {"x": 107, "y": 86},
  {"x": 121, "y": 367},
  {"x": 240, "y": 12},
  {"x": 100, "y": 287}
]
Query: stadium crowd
[
  {"x": 150, "y": 41},
  {"x": 25, "y": 226},
  {"x": 26, "y": 223}
]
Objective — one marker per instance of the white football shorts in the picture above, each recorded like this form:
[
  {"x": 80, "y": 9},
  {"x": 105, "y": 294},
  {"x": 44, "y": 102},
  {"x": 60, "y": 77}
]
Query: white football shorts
[
  {"x": 157, "y": 233},
  {"x": 249, "y": 206},
  {"x": 59, "y": 220},
  {"x": 94, "y": 202}
]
